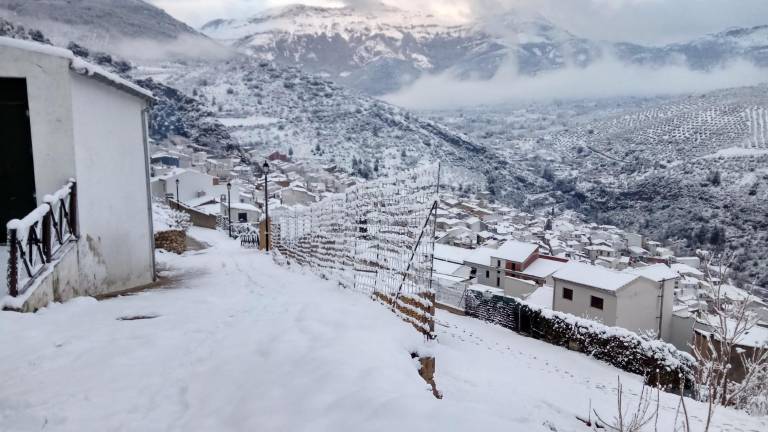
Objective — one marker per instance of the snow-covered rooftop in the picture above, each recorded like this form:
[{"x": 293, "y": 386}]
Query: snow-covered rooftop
[
  {"x": 594, "y": 276},
  {"x": 78, "y": 65},
  {"x": 542, "y": 267},
  {"x": 451, "y": 253},
  {"x": 516, "y": 251},
  {"x": 481, "y": 256},
  {"x": 656, "y": 272}
]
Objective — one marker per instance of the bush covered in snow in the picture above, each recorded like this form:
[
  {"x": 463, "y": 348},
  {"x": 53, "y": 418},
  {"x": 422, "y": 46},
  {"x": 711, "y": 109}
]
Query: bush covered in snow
[
  {"x": 165, "y": 218},
  {"x": 660, "y": 362}
]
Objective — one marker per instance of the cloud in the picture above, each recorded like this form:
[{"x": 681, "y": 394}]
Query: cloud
[
  {"x": 608, "y": 78},
  {"x": 184, "y": 47}
]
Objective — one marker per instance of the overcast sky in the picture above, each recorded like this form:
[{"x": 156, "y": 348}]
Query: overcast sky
[{"x": 648, "y": 21}]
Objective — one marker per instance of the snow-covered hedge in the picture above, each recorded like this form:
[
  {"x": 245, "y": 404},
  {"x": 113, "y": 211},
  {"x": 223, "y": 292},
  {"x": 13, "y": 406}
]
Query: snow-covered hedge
[{"x": 660, "y": 362}]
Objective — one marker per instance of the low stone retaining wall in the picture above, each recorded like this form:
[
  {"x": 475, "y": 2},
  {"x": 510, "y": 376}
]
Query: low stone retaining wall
[{"x": 171, "y": 240}]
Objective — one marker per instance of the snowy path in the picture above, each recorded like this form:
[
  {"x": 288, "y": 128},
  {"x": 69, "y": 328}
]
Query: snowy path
[{"x": 243, "y": 345}]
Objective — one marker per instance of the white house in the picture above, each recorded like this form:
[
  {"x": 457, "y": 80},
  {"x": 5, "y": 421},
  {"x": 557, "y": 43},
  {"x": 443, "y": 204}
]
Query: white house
[
  {"x": 614, "y": 298},
  {"x": 66, "y": 119},
  {"x": 192, "y": 185},
  {"x": 241, "y": 212}
]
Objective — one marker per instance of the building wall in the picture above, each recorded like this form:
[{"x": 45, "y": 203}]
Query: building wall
[
  {"x": 638, "y": 307},
  {"x": 681, "y": 332},
  {"x": 113, "y": 213},
  {"x": 50, "y": 112},
  {"x": 580, "y": 305}
]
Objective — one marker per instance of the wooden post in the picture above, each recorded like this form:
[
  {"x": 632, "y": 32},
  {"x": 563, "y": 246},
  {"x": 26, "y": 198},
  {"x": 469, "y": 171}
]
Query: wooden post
[
  {"x": 73, "y": 210},
  {"x": 13, "y": 264},
  {"x": 47, "y": 235}
]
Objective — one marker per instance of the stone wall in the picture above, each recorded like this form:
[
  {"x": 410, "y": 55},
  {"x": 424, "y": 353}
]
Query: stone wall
[{"x": 171, "y": 240}]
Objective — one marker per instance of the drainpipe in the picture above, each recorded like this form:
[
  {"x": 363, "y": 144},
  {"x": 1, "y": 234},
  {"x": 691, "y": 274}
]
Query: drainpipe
[
  {"x": 661, "y": 306},
  {"x": 145, "y": 139}
]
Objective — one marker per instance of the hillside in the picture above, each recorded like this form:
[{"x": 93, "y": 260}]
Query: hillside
[
  {"x": 689, "y": 169},
  {"x": 233, "y": 342},
  {"x": 381, "y": 49},
  {"x": 130, "y": 28},
  {"x": 268, "y": 107}
]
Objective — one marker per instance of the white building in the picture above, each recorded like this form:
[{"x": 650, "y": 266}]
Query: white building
[
  {"x": 66, "y": 119},
  {"x": 614, "y": 298},
  {"x": 192, "y": 185}
]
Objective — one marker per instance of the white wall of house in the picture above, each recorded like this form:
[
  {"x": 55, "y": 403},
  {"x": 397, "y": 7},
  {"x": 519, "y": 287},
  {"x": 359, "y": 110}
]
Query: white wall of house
[
  {"x": 113, "y": 213},
  {"x": 639, "y": 306},
  {"x": 519, "y": 288},
  {"x": 580, "y": 305},
  {"x": 50, "y": 111}
]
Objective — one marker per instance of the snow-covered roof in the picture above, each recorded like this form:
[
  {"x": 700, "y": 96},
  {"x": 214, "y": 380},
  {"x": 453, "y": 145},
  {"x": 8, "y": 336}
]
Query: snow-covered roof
[
  {"x": 542, "y": 267},
  {"x": 445, "y": 268},
  {"x": 656, "y": 272},
  {"x": 516, "y": 251},
  {"x": 685, "y": 269},
  {"x": 594, "y": 276},
  {"x": 78, "y": 65},
  {"x": 451, "y": 253},
  {"x": 481, "y": 256},
  {"x": 243, "y": 206},
  {"x": 542, "y": 297}
]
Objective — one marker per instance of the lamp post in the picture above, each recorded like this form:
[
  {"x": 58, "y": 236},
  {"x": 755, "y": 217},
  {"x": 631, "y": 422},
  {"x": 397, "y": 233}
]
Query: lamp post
[
  {"x": 229, "y": 207},
  {"x": 177, "y": 195},
  {"x": 265, "y": 168}
]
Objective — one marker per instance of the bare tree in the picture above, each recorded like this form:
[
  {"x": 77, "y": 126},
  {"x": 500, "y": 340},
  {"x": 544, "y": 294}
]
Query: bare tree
[
  {"x": 728, "y": 321},
  {"x": 632, "y": 418}
]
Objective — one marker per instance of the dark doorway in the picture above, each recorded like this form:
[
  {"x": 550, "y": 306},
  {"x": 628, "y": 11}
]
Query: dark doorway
[{"x": 17, "y": 173}]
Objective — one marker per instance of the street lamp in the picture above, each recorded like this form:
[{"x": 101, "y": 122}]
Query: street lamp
[
  {"x": 229, "y": 207},
  {"x": 177, "y": 195},
  {"x": 265, "y": 168}
]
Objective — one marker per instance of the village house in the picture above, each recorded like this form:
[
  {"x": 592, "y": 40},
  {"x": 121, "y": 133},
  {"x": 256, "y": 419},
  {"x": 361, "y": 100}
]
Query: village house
[
  {"x": 192, "y": 185},
  {"x": 614, "y": 298},
  {"x": 75, "y": 165}
]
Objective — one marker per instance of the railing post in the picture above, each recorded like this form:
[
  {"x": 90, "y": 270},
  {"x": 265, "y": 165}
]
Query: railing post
[
  {"x": 47, "y": 236},
  {"x": 73, "y": 210},
  {"x": 13, "y": 263}
]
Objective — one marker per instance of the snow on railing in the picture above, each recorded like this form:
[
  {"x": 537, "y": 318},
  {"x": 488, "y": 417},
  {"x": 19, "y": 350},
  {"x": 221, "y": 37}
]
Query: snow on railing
[
  {"x": 31, "y": 242},
  {"x": 376, "y": 238}
]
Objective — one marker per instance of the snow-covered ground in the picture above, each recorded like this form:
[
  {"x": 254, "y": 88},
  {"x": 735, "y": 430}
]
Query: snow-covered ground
[{"x": 236, "y": 343}]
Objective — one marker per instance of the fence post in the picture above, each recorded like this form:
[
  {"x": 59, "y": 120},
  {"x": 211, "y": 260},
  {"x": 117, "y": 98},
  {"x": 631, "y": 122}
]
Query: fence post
[
  {"x": 47, "y": 235},
  {"x": 73, "y": 210},
  {"x": 13, "y": 263}
]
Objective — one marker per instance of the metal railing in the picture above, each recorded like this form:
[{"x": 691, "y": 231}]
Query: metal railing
[{"x": 35, "y": 240}]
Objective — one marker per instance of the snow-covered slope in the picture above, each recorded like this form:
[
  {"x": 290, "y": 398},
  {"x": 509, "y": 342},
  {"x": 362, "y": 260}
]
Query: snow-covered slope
[
  {"x": 381, "y": 49},
  {"x": 235, "y": 343}
]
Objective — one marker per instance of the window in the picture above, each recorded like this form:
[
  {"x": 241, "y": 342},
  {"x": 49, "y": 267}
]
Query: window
[
  {"x": 498, "y": 282},
  {"x": 487, "y": 274},
  {"x": 596, "y": 302},
  {"x": 498, "y": 263},
  {"x": 568, "y": 294},
  {"x": 242, "y": 217}
]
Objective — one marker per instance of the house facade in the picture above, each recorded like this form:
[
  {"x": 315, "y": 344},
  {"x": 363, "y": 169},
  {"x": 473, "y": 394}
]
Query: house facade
[
  {"x": 620, "y": 299},
  {"x": 75, "y": 136}
]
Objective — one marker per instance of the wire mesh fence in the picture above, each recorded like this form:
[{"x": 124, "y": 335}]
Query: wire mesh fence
[{"x": 376, "y": 238}]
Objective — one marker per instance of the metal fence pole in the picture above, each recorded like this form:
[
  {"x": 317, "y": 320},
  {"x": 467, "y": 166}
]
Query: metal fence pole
[
  {"x": 13, "y": 263},
  {"x": 47, "y": 235},
  {"x": 73, "y": 210}
]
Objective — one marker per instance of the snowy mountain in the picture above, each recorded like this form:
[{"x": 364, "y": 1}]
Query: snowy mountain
[
  {"x": 118, "y": 26},
  {"x": 380, "y": 50}
]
